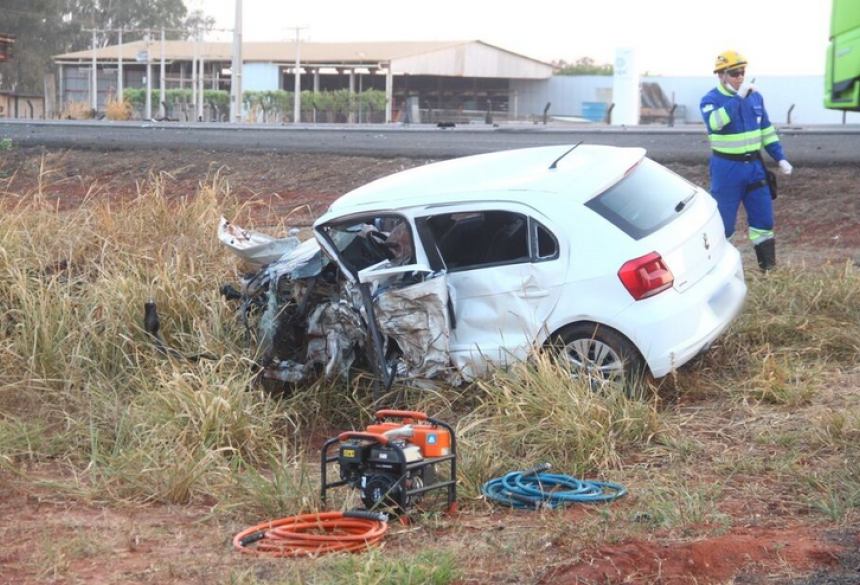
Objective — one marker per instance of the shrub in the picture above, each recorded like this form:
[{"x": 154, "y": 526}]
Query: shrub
[
  {"x": 118, "y": 110},
  {"x": 77, "y": 111}
]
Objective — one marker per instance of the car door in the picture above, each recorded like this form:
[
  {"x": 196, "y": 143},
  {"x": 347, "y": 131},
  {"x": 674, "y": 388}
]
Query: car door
[
  {"x": 410, "y": 301},
  {"x": 506, "y": 267}
]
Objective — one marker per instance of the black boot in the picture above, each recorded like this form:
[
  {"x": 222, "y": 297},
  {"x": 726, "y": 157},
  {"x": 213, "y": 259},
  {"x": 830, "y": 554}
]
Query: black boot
[{"x": 765, "y": 253}]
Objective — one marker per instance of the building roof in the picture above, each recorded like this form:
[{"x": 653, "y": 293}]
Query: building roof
[
  {"x": 269, "y": 51},
  {"x": 401, "y": 56}
]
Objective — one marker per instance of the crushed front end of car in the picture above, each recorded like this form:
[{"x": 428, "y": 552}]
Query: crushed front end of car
[{"x": 305, "y": 318}]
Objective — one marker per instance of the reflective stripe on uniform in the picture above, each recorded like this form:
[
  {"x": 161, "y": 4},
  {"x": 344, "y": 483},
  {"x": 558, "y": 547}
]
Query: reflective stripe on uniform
[
  {"x": 736, "y": 143},
  {"x": 758, "y": 236},
  {"x": 718, "y": 119},
  {"x": 768, "y": 136}
]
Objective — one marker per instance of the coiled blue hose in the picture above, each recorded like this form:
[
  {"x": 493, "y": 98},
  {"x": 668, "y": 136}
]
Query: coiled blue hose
[{"x": 534, "y": 489}]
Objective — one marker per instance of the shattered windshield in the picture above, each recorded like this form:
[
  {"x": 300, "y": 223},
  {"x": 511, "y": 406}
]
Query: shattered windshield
[{"x": 363, "y": 243}]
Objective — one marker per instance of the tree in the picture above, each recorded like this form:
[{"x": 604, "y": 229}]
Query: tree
[
  {"x": 44, "y": 28},
  {"x": 583, "y": 66},
  {"x": 40, "y": 31},
  {"x": 111, "y": 15}
]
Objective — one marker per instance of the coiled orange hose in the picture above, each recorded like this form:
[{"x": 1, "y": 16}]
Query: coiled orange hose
[{"x": 313, "y": 534}]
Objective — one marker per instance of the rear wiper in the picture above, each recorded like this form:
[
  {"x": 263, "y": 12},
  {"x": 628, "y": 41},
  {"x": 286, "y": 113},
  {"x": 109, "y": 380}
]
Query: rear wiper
[{"x": 682, "y": 204}]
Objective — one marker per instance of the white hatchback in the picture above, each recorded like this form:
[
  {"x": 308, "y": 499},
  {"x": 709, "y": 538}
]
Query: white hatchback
[
  {"x": 456, "y": 267},
  {"x": 619, "y": 260}
]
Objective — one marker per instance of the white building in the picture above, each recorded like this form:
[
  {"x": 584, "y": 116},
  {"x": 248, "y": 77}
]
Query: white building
[
  {"x": 800, "y": 97},
  {"x": 453, "y": 80},
  {"x": 450, "y": 76}
]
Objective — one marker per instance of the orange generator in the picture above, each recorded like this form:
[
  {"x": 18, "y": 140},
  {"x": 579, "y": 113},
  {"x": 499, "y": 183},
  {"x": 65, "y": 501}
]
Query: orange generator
[{"x": 393, "y": 464}]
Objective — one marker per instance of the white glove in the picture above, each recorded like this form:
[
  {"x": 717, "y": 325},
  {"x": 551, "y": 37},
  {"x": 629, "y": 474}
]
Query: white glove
[
  {"x": 785, "y": 167},
  {"x": 745, "y": 89}
]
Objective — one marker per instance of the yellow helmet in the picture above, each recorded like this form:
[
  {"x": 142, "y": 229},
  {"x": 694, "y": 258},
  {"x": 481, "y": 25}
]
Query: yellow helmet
[{"x": 729, "y": 60}]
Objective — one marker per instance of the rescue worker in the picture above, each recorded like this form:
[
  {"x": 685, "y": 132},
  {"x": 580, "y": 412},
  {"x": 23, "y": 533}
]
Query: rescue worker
[{"x": 738, "y": 128}]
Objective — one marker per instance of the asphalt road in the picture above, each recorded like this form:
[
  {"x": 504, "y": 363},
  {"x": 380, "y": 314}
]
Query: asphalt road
[{"x": 810, "y": 146}]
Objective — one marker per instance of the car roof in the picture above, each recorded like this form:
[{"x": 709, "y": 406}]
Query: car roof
[{"x": 585, "y": 171}]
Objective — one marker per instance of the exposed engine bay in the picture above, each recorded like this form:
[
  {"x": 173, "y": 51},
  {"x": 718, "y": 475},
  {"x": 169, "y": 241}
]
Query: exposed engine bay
[{"x": 309, "y": 320}]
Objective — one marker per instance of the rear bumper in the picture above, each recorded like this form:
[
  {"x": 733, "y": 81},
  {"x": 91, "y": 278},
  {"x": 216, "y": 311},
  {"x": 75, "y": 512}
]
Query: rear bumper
[{"x": 679, "y": 326}]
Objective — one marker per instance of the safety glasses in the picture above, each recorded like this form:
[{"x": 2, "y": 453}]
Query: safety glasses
[{"x": 737, "y": 73}]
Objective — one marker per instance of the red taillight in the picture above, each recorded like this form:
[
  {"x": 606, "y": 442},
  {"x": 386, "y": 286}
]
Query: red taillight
[{"x": 646, "y": 276}]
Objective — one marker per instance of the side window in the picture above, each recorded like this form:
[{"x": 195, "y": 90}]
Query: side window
[
  {"x": 480, "y": 238},
  {"x": 547, "y": 245}
]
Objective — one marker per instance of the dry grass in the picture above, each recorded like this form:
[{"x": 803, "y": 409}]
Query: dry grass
[
  {"x": 536, "y": 413},
  {"x": 77, "y": 111},
  {"x": 118, "y": 110},
  {"x": 84, "y": 395},
  {"x": 131, "y": 426}
]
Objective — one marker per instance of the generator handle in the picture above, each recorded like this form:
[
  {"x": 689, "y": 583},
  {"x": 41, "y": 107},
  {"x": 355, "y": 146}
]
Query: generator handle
[
  {"x": 381, "y": 439},
  {"x": 401, "y": 414}
]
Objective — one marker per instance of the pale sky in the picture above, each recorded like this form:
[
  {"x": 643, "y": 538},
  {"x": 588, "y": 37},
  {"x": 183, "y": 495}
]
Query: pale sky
[{"x": 669, "y": 37}]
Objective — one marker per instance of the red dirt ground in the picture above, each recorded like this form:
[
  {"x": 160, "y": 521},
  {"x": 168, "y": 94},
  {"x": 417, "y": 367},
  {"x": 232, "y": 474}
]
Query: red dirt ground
[
  {"x": 49, "y": 539},
  {"x": 816, "y": 212},
  {"x": 711, "y": 560}
]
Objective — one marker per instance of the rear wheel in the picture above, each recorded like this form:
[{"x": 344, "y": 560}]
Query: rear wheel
[{"x": 599, "y": 354}]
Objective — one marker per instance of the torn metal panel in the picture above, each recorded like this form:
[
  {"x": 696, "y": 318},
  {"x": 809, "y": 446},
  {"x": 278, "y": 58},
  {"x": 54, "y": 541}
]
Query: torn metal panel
[
  {"x": 385, "y": 270},
  {"x": 319, "y": 327},
  {"x": 254, "y": 247},
  {"x": 303, "y": 261},
  {"x": 416, "y": 317},
  {"x": 314, "y": 319},
  {"x": 285, "y": 284},
  {"x": 334, "y": 331}
]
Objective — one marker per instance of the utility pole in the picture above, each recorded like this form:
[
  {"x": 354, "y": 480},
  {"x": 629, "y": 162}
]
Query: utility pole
[
  {"x": 148, "y": 78},
  {"x": 297, "y": 83},
  {"x": 361, "y": 58},
  {"x": 389, "y": 93},
  {"x": 94, "y": 86},
  {"x": 236, "y": 69},
  {"x": 201, "y": 71},
  {"x": 162, "y": 82},
  {"x": 194, "y": 74},
  {"x": 297, "y": 86},
  {"x": 119, "y": 87}
]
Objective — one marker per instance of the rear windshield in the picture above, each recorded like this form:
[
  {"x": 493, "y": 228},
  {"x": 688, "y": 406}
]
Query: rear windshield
[{"x": 645, "y": 200}]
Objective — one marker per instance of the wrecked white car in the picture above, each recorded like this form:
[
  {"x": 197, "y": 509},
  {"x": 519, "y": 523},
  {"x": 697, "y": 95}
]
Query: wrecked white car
[{"x": 446, "y": 270}]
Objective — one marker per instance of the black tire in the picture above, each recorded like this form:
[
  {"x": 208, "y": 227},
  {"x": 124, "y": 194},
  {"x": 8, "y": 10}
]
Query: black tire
[{"x": 600, "y": 353}]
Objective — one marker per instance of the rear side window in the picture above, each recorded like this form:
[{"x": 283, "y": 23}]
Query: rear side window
[
  {"x": 645, "y": 200},
  {"x": 547, "y": 246}
]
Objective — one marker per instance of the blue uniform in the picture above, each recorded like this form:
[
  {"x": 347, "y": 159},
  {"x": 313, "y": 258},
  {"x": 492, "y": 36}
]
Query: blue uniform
[{"x": 737, "y": 130}]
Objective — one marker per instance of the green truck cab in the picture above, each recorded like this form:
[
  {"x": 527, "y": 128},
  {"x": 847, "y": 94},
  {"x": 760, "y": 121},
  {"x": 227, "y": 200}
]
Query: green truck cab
[{"x": 842, "y": 77}]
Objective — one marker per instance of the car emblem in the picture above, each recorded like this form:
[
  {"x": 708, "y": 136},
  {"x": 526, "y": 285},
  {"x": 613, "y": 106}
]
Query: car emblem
[{"x": 705, "y": 240}]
